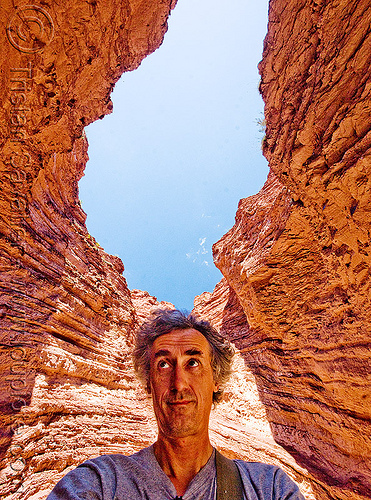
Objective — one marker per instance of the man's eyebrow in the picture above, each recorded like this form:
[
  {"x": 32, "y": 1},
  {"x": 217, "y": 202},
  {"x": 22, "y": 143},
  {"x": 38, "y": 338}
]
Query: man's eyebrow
[
  {"x": 194, "y": 352},
  {"x": 189, "y": 352},
  {"x": 161, "y": 352}
]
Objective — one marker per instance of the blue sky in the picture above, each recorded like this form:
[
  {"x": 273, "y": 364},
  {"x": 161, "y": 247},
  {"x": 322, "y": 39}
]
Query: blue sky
[{"x": 182, "y": 146}]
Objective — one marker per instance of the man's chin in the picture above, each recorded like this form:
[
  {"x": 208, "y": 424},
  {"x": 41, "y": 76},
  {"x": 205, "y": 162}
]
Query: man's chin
[
  {"x": 180, "y": 423},
  {"x": 175, "y": 431}
]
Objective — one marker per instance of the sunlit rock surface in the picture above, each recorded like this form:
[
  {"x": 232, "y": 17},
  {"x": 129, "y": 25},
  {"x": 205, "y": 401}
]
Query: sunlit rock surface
[
  {"x": 145, "y": 304},
  {"x": 298, "y": 257},
  {"x": 67, "y": 387},
  {"x": 239, "y": 425},
  {"x": 296, "y": 262}
]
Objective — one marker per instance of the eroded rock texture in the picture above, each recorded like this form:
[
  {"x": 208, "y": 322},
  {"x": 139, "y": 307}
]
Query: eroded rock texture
[
  {"x": 144, "y": 304},
  {"x": 295, "y": 299},
  {"x": 239, "y": 425},
  {"x": 67, "y": 387},
  {"x": 298, "y": 257}
]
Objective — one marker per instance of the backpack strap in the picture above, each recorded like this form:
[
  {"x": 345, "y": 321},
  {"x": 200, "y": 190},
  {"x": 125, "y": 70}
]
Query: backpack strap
[{"x": 228, "y": 480}]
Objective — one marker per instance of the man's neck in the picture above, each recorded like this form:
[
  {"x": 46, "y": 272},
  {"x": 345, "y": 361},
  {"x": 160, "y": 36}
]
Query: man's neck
[{"x": 182, "y": 458}]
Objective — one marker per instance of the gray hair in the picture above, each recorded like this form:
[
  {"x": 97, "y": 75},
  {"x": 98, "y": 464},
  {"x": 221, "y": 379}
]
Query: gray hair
[{"x": 164, "y": 321}]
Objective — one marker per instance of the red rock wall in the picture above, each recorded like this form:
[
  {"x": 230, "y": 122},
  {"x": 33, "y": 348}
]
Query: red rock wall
[
  {"x": 296, "y": 262},
  {"x": 67, "y": 387},
  {"x": 298, "y": 257},
  {"x": 239, "y": 425}
]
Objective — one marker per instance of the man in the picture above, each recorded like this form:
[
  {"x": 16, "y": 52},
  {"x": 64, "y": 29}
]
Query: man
[{"x": 183, "y": 363}]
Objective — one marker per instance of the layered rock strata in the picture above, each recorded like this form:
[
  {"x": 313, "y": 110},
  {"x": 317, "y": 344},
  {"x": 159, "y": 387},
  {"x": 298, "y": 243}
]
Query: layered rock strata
[
  {"x": 298, "y": 258},
  {"x": 67, "y": 386},
  {"x": 239, "y": 425},
  {"x": 144, "y": 304},
  {"x": 295, "y": 299}
]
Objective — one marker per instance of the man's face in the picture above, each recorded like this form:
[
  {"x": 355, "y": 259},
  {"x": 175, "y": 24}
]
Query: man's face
[{"x": 181, "y": 382}]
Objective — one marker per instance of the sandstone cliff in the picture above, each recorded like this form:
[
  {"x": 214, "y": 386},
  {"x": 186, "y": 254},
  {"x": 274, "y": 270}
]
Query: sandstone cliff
[
  {"x": 67, "y": 387},
  {"x": 298, "y": 256},
  {"x": 295, "y": 298}
]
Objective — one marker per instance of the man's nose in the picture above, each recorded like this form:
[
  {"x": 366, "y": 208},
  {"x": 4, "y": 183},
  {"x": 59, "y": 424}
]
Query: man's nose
[{"x": 179, "y": 378}]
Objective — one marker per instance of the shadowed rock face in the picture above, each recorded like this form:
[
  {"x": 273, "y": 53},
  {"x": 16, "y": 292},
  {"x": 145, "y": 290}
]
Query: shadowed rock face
[
  {"x": 298, "y": 257},
  {"x": 295, "y": 298}
]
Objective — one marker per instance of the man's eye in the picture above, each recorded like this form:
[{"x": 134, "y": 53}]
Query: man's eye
[
  {"x": 193, "y": 362},
  {"x": 163, "y": 364}
]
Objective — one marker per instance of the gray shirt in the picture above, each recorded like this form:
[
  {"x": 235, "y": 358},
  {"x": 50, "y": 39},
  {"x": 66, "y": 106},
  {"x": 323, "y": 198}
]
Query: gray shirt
[{"x": 139, "y": 476}]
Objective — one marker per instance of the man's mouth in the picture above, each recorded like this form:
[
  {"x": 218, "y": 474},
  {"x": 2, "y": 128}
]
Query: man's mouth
[
  {"x": 180, "y": 399},
  {"x": 182, "y": 402}
]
